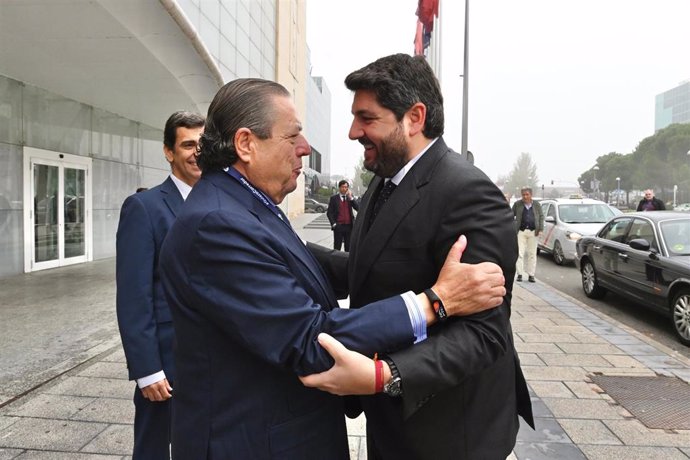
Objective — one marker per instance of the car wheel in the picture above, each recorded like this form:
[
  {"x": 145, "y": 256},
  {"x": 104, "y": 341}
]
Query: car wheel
[
  {"x": 680, "y": 315},
  {"x": 319, "y": 209},
  {"x": 589, "y": 281},
  {"x": 558, "y": 255}
]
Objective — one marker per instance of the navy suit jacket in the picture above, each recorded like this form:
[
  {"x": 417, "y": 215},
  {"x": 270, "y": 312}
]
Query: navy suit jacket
[
  {"x": 141, "y": 305},
  {"x": 248, "y": 301}
]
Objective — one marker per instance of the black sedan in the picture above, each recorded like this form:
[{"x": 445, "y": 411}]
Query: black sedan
[{"x": 643, "y": 256}]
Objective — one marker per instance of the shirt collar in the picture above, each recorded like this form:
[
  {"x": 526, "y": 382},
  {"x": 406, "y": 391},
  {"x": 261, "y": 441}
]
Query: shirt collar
[
  {"x": 181, "y": 186},
  {"x": 405, "y": 169}
]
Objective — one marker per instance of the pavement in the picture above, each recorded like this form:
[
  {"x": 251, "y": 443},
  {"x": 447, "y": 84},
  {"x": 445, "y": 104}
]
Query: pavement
[{"x": 600, "y": 390}]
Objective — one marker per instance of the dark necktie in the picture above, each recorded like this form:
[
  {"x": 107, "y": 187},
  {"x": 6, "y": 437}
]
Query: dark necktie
[{"x": 384, "y": 194}]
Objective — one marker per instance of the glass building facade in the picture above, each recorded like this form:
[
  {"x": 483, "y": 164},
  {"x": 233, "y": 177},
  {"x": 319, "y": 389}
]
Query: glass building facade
[
  {"x": 67, "y": 163},
  {"x": 672, "y": 106}
]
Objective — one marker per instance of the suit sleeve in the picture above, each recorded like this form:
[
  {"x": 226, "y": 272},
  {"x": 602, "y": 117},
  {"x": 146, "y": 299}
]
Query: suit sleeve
[
  {"x": 334, "y": 263},
  {"x": 259, "y": 294},
  {"x": 332, "y": 211},
  {"x": 135, "y": 265},
  {"x": 462, "y": 347}
]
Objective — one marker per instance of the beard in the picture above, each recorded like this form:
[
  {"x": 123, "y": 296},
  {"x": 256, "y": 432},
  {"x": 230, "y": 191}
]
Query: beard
[{"x": 391, "y": 155}]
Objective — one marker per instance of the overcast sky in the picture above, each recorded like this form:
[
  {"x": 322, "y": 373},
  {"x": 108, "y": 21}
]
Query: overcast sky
[{"x": 566, "y": 81}]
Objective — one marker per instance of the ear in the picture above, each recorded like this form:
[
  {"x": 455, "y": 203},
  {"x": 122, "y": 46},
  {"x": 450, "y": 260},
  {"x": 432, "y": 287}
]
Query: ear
[
  {"x": 168, "y": 154},
  {"x": 416, "y": 116},
  {"x": 244, "y": 144}
]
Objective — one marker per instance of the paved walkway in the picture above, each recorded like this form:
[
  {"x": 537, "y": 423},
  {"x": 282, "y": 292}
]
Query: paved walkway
[{"x": 64, "y": 393}]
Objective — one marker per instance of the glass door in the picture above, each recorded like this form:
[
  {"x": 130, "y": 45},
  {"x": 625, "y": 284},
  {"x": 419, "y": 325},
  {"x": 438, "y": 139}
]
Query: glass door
[
  {"x": 46, "y": 226},
  {"x": 58, "y": 217},
  {"x": 74, "y": 212}
]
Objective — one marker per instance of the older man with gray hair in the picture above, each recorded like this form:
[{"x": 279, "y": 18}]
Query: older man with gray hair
[{"x": 529, "y": 222}]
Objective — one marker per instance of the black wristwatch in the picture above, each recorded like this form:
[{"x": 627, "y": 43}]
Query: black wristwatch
[
  {"x": 394, "y": 386},
  {"x": 436, "y": 304}
]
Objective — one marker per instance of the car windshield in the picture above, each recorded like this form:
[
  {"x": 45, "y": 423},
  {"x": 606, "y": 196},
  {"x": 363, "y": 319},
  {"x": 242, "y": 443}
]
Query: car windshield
[
  {"x": 585, "y": 213},
  {"x": 676, "y": 235}
]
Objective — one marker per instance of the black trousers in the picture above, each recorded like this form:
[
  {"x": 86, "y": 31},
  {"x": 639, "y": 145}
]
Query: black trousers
[{"x": 341, "y": 234}]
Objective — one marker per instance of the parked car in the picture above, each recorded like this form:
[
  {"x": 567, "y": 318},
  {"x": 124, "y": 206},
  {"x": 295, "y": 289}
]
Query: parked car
[
  {"x": 311, "y": 205},
  {"x": 645, "y": 257},
  {"x": 566, "y": 221},
  {"x": 685, "y": 207}
]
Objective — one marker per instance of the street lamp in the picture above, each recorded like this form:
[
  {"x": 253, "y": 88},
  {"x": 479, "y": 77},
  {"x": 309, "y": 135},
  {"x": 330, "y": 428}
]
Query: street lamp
[{"x": 618, "y": 190}]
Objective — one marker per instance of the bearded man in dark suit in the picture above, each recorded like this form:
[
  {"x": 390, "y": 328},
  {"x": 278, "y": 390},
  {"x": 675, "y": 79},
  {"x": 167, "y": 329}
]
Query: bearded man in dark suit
[{"x": 456, "y": 395}]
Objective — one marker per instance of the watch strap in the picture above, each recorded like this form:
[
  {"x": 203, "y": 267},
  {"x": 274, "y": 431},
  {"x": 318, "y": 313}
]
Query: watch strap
[
  {"x": 394, "y": 386},
  {"x": 436, "y": 305}
]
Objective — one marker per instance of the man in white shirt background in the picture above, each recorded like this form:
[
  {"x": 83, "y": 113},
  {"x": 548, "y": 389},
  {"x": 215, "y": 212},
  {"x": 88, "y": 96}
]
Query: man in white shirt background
[{"x": 143, "y": 314}]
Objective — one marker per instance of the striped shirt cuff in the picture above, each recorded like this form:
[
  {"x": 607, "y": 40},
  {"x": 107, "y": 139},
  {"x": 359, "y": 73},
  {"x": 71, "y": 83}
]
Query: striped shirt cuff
[{"x": 417, "y": 317}]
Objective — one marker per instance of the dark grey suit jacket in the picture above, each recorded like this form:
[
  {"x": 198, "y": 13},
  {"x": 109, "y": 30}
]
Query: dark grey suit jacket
[{"x": 463, "y": 387}]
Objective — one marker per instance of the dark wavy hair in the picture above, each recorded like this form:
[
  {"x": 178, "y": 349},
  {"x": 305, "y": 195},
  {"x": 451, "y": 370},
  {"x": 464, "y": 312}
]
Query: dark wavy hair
[
  {"x": 241, "y": 103},
  {"x": 400, "y": 81},
  {"x": 179, "y": 119}
]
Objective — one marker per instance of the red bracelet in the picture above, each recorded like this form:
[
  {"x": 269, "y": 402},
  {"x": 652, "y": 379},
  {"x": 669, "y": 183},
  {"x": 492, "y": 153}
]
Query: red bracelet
[{"x": 378, "y": 370}]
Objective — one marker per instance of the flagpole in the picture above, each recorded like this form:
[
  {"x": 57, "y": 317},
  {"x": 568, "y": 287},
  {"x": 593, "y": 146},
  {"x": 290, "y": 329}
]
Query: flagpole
[
  {"x": 465, "y": 78},
  {"x": 439, "y": 31}
]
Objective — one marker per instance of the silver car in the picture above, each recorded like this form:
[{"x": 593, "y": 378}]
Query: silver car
[{"x": 568, "y": 220}]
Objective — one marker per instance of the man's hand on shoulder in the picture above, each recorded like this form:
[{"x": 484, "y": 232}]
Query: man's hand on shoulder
[{"x": 466, "y": 289}]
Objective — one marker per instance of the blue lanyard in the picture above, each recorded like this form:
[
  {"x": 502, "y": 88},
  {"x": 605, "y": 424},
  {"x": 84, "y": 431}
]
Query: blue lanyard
[{"x": 258, "y": 194}]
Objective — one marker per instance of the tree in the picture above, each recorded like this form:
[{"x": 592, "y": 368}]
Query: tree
[
  {"x": 523, "y": 174},
  {"x": 362, "y": 177},
  {"x": 658, "y": 162}
]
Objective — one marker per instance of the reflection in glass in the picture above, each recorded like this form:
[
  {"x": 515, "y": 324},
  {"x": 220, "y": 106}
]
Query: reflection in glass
[
  {"x": 45, "y": 209},
  {"x": 677, "y": 236},
  {"x": 74, "y": 212}
]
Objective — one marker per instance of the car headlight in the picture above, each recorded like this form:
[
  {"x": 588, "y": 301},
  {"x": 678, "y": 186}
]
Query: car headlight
[{"x": 574, "y": 236}]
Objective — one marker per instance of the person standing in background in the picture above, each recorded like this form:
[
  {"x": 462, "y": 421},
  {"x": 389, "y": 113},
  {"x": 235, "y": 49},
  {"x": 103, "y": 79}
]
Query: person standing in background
[
  {"x": 142, "y": 311},
  {"x": 341, "y": 216},
  {"x": 529, "y": 223},
  {"x": 650, "y": 202}
]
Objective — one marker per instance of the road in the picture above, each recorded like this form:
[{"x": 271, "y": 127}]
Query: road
[{"x": 567, "y": 279}]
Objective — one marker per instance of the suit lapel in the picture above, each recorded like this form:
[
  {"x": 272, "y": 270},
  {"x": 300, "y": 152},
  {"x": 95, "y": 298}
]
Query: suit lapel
[
  {"x": 298, "y": 249},
  {"x": 171, "y": 196},
  {"x": 366, "y": 246},
  {"x": 366, "y": 205},
  {"x": 281, "y": 232}
]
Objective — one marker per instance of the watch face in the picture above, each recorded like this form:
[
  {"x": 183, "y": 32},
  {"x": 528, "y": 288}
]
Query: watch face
[{"x": 393, "y": 387}]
